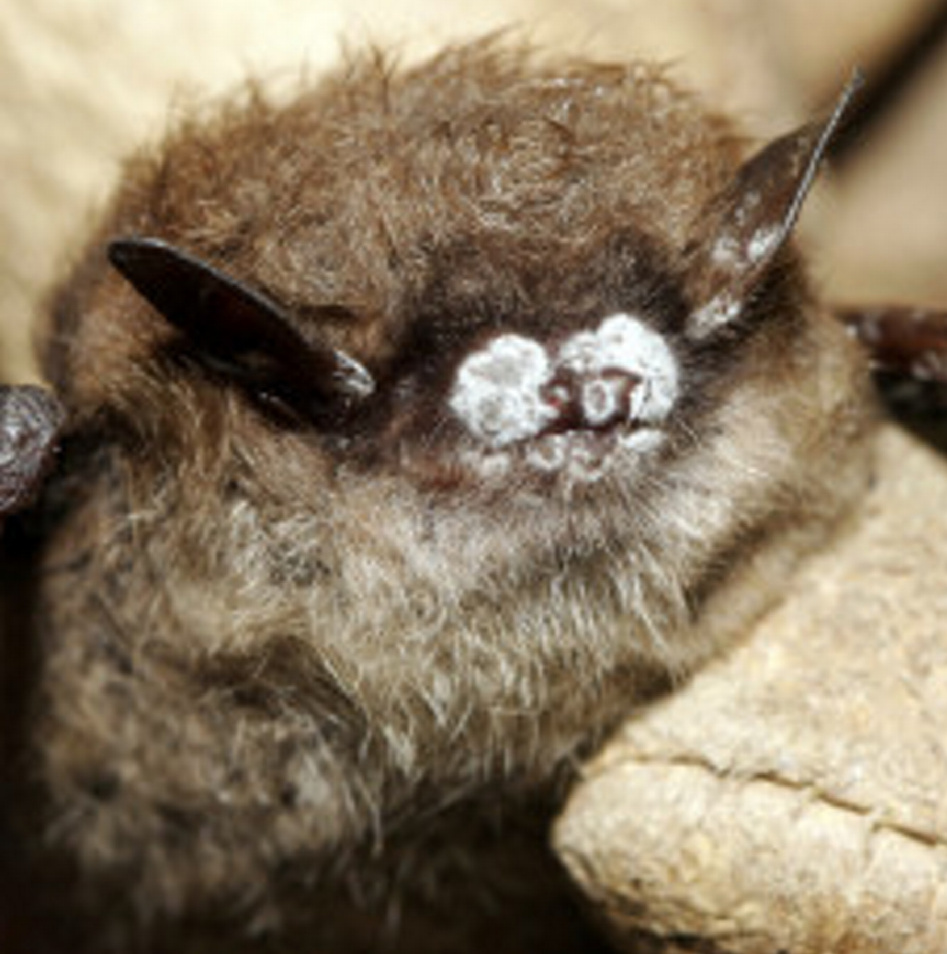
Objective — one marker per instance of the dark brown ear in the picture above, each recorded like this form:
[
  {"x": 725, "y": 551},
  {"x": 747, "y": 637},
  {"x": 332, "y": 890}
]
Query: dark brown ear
[
  {"x": 743, "y": 228},
  {"x": 240, "y": 331},
  {"x": 31, "y": 419}
]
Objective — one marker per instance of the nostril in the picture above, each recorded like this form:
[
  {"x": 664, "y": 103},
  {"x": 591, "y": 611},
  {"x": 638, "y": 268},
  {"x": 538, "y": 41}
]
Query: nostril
[
  {"x": 559, "y": 395},
  {"x": 589, "y": 401},
  {"x": 606, "y": 398}
]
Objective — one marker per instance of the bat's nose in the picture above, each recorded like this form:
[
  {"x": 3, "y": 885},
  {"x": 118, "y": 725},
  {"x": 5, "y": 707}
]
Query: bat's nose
[
  {"x": 516, "y": 388},
  {"x": 587, "y": 401}
]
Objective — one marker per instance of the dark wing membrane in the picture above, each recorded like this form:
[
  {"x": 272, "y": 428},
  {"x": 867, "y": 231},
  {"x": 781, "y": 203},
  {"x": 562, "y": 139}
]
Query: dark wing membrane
[
  {"x": 911, "y": 342},
  {"x": 907, "y": 348},
  {"x": 31, "y": 419}
]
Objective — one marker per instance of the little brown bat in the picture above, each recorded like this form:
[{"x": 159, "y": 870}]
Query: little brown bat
[{"x": 417, "y": 428}]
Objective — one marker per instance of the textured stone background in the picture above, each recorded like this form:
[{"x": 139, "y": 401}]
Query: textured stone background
[
  {"x": 791, "y": 796},
  {"x": 83, "y": 81}
]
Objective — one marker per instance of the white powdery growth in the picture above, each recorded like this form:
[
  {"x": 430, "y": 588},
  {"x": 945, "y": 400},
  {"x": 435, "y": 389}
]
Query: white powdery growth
[
  {"x": 741, "y": 258},
  {"x": 492, "y": 464},
  {"x": 602, "y": 392},
  {"x": 718, "y": 312},
  {"x": 727, "y": 252},
  {"x": 601, "y": 399},
  {"x": 765, "y": 240},
  {"x": 497, "y": 391},
  {"x": 624, "y": 344},
  {"x": 549, "y": 453},
  {"x": 643, "y": 441}
]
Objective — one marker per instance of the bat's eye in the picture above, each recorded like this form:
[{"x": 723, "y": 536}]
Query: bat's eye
[
  {"x": 241, "y": 333},
  {"x": 572, "y": 405}
]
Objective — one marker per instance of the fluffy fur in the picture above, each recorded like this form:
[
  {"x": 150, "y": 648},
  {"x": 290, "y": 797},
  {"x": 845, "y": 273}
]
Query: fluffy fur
[{"x": 275, "y": 657}]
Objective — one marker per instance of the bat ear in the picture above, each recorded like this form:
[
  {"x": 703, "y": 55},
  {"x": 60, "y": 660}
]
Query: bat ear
[
  {"x": 742, "y": 229},
  {"x": 239, "y": 331},
  {"x": 31, "y": 419}
]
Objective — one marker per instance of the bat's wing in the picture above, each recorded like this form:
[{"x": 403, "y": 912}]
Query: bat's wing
[
  {"x": 31, "y": 419},
  {"x": 908, "y": 352}
]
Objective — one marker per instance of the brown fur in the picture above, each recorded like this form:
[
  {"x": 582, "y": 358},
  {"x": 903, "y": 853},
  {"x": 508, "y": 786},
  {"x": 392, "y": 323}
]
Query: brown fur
[{"x": 273, "y": 658}]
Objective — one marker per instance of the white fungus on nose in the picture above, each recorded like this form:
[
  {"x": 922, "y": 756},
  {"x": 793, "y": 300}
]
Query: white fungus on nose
[
  {"x": 512, "y": 389},
  {"x": 497, "y": 391},
  {"x": 625, "y": 344},
  {"x": 550, "y": 453}
]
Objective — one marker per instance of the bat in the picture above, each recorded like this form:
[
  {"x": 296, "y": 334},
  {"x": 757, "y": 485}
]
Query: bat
[{"x": 413, "y": 431}]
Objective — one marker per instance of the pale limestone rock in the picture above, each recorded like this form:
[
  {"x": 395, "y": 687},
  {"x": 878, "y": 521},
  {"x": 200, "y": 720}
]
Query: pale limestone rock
[{"x": 792, "y": 796}]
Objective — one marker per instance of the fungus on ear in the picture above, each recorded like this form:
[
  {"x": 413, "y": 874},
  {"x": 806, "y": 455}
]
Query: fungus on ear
[
  {"x": 31, "y": 419},
  {"x": 240, "y": 332},
  {"x": 741, "y": 230}
]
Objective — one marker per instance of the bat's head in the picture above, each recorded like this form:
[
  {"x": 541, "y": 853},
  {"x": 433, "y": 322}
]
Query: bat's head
[{"x": 483, "y": 320}]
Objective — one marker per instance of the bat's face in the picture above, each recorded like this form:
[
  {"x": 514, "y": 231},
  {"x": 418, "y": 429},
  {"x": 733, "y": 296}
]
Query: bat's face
[
  {"x": 472, "y": 320},
  {"x": 543, "y": 396}
]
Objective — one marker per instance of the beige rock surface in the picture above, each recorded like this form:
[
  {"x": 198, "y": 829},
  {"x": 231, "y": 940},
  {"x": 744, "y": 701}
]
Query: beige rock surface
[{"x": 792, "y": 797}]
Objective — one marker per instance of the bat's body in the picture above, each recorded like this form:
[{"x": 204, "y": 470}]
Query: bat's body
[{"x": 514, "y": 403}]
